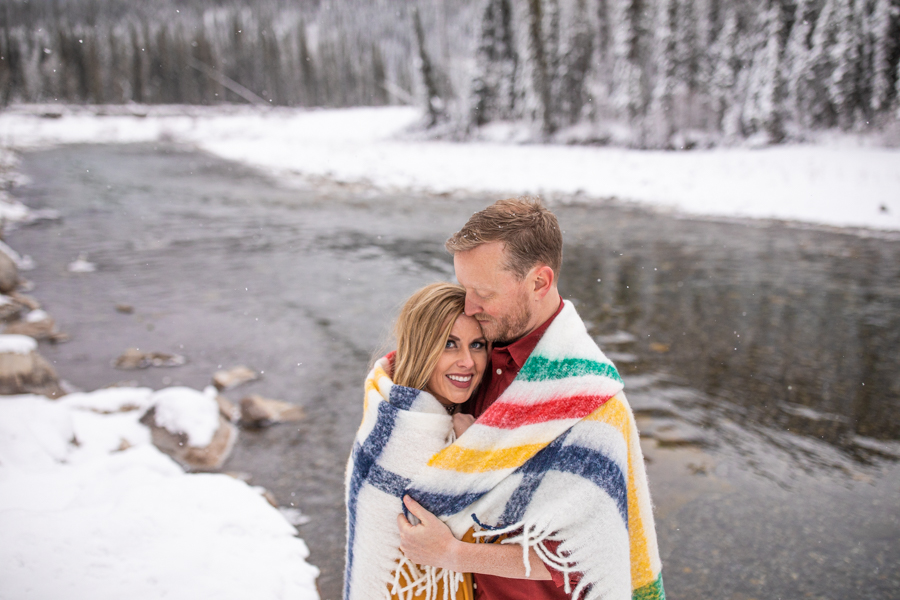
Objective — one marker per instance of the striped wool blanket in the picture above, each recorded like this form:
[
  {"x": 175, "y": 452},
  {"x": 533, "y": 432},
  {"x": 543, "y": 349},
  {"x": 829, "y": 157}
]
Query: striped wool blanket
[{"x": 555, "y": 458}]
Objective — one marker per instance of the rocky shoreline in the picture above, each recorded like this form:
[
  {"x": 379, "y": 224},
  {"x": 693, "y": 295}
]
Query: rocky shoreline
[
  {"x": 24, "y": 371},
  {"x": 123, "y": 478}
]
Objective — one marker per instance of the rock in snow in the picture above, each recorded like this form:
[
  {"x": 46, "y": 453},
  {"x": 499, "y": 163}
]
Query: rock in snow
[
  {"x": 257, "y": 411},
  {"x": 205, "y": 458},
  {"x": 186, "y": 425},
  {"x": 25, "y": 300},
  {"x": 38, "y": 325},
  {"x": 23, "y": 370},
  {"x": 228, "y": 409},
  {"x": 9, "y": 274},
  {"x": 229, "y": 378},
  {"x": 133, "y": 358},
  {"x": 10, "y": 310}
]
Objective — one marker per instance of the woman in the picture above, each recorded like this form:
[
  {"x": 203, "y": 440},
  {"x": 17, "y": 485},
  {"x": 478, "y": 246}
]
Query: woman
[{"x": 409, "y": 414}]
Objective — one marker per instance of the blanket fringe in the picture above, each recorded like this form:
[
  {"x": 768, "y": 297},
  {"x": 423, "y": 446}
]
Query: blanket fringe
[
  {"x": 529, "y": 536},
  {"x": 421, "y": 579}
]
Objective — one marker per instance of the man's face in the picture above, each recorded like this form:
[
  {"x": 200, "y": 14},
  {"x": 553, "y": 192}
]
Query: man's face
[{"x": 494, "y": 296}]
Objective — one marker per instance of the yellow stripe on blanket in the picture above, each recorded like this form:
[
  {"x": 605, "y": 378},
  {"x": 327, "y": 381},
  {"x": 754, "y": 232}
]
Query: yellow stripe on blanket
[
  {"x": 372, "y": 383},
  {"x": 615, "y": 413},
  {"x": 370, "y": 388},
  {"x": 466, "y": 460}
]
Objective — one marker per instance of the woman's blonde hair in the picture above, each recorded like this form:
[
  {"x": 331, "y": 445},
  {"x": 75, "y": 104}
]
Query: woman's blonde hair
[{"x": 422, "y": 330}]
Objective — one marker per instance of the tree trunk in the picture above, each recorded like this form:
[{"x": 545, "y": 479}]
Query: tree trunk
[
  {"x": 538, "y": 58},
  {"x": 433, "y": 103}
]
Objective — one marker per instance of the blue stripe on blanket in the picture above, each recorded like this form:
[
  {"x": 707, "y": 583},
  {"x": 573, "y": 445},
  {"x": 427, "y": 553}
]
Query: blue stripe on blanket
[
  {"x": 365, "y": 468},
  {"x": 590, "y": 464},
  {"x": 587, "y": 463},
  {"x": 387, "y": 482},
  {"x": 444, "y": 504},
  {"x": 402, "y": 397}
]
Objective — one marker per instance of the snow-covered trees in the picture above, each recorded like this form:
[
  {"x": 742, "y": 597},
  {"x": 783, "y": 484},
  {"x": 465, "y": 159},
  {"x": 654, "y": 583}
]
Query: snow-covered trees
[
  {"x": 434, "y": 107},
  {"x": 883, "y": 42},
  {"x": 629, "y": 50},
  {"x": 571, "y": 91},
  {"x": 650, "y": 73},
  {"x": 497, "y": 65},
  {"x": 661, "y": 122},
  {"x": 303, "y": 52},
  {"x": 763, "y": 110},
  {"x": 678, "y": 72},
  {"x": 539, "y": 67}
]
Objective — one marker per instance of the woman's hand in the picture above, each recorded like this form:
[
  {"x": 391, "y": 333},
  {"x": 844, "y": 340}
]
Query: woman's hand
[
  {"x": 462, "y": 422},
  {"x": 430, "y": 542}
]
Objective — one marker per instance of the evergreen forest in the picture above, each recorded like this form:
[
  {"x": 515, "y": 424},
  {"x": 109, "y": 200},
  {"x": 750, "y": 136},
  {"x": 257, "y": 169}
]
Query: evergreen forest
[{"x": 641, "y": 73}]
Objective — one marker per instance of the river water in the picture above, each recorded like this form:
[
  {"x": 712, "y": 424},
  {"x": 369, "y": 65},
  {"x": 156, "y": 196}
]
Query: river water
[{"x": 761, "y": 358}]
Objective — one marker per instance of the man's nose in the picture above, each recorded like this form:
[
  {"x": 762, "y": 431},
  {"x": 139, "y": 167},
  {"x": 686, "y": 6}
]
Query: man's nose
[{"x": 472, "y": 308}]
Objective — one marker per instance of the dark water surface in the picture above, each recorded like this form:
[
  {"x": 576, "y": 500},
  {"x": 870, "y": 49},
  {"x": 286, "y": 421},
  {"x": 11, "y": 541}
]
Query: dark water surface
[{"x": 761, "y": 359}]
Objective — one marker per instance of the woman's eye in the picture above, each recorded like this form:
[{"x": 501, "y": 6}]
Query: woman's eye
[
  {"x": 450, "y": 344},
  {"x": 478, "y": 345}
]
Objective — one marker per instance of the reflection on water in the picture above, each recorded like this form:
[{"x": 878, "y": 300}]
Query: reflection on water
[{"x": 794, "y": 329}]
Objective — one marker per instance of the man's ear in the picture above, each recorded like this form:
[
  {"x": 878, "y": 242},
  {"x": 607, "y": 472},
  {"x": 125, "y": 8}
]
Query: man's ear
[{"x": 544, "y": 279}]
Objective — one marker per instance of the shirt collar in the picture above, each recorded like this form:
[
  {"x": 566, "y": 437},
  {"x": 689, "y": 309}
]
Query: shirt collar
[{"x": 522, "y": 348}]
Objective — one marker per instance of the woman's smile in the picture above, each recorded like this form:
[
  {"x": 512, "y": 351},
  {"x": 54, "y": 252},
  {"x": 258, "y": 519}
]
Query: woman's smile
[
  {"x": 460, "y": 381},
  {"x": 461, "y": 364}
]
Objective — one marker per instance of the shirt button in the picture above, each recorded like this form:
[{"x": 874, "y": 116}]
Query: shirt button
[{"x": 499, "y": 371}]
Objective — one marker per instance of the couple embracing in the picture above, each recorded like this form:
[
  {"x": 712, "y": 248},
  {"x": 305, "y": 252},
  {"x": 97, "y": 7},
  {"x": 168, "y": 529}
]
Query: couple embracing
[{"x": 498, "y": 457}]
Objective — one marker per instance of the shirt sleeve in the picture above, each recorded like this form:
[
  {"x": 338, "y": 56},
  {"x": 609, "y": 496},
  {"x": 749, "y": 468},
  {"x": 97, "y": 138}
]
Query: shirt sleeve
[{"x": 560, "y": 578}]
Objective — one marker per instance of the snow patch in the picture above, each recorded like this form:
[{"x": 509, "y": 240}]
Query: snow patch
[
  {"x": 36, "y": 316},
  {"x": 81, "y": 265},
  {"x": 110, "y": 400},
  {"x": 87, "y": 499},
  {"x": 185, "y": 410},
  {"x": 17, "y": 344},
  {"x": 12, "y": 210},
  {"x": 33, "y": 432}
]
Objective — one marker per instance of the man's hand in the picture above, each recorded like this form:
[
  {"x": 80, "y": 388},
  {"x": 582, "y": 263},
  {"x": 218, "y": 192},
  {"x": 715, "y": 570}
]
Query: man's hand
[
  {"x": 430, "y": 542},
  {"x": 462, "y": 422}
]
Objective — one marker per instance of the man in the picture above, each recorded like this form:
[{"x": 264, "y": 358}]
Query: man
[{"x": 508, "y": 258}]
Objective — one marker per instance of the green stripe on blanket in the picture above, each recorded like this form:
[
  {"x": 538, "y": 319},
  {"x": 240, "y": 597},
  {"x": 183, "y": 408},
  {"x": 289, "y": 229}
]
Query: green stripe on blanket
[
  {"x": 540, "y": 368},
  {"x": 651, "y": 591}
]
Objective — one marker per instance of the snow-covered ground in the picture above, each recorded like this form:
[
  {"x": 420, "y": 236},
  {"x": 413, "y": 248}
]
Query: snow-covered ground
[
  {"x": 841, "y": 183},
  {"x": 90, "y": 508}
]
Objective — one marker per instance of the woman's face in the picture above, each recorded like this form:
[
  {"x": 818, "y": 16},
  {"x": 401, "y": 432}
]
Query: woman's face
[{"x": 462, "y": 363}]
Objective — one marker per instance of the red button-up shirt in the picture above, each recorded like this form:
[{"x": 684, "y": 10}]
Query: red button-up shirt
[{"x": 506, "y": 361}]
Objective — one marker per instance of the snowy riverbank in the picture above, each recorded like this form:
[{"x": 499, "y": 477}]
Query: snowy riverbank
[
  {"x": 843, "y": 183},
  {"x": 88, "y": 504}
]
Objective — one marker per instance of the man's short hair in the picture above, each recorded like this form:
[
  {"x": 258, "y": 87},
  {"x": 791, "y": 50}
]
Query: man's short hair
[{"x": 529, "y": 231}]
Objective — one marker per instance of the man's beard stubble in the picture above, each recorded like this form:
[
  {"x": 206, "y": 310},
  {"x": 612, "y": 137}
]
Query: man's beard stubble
[{"x": 506, "y": 329}]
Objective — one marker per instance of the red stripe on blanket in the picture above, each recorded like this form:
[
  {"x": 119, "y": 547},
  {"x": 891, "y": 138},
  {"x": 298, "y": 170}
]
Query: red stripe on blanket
[{"x": 506, "y": 415}]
